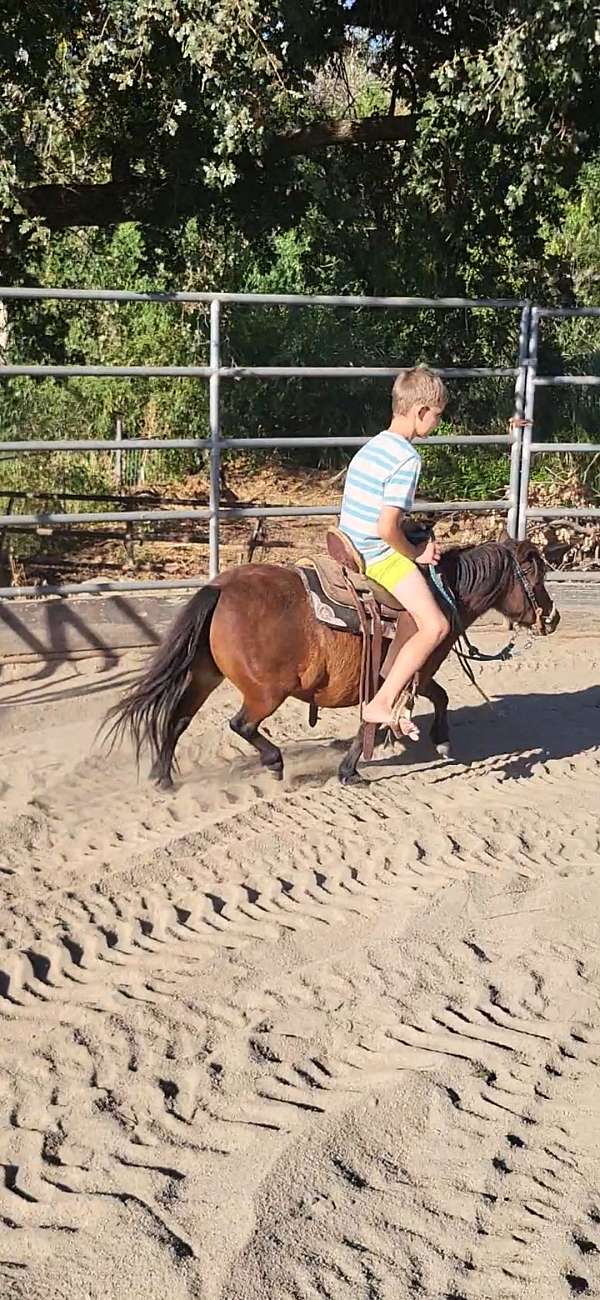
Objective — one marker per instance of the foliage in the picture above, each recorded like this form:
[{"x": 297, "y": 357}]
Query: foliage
[
  {"x": 576, "y": 239},
  {"x": 280, "y": 336},
  {"x": 188, "y": 108},
  {"x": 197, "y": 121}
]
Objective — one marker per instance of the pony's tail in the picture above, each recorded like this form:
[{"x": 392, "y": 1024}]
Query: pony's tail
[{"x": 149, "y": 711}]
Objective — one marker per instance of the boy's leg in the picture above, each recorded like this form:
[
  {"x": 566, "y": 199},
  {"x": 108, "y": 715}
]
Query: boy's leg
[{"x": 432, "y": 626}]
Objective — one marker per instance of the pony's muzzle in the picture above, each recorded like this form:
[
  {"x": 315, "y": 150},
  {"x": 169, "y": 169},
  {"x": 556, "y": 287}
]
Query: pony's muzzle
[
  {"x": 546, "y": 624},
  {"x": 551, "y": 620}
]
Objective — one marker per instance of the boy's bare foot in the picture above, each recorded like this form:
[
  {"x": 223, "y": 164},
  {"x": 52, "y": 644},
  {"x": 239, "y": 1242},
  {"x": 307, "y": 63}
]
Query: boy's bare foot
[
  {"x": 398, "y": 719},
  {"x": 406, "y": 728}
]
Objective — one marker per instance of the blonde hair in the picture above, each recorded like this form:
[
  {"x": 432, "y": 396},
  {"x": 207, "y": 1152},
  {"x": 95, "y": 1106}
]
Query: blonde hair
[{"x": 419, "y": 384}]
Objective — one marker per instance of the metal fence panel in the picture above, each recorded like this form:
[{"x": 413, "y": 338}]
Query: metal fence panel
[
  {"x": 215, "y": 373},
  {"x": 531, "y": 447}
]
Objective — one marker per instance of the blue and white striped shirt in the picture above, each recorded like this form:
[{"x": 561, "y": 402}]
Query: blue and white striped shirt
[{"x": 384, "y": 472}]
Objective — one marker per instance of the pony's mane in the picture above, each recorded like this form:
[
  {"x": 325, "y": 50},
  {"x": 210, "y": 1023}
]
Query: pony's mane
[{"x": 477, "y": 570}]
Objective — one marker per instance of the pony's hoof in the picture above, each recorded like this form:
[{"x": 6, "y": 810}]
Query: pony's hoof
[
  {"x": 351, "y": 778},
  {"x": 444, "y": 749},
  {"x": 275, "y": 772},
  {"x": 161, "y": 781}
]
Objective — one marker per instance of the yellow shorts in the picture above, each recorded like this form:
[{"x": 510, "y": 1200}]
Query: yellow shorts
[{"x": 389, "y": 571}]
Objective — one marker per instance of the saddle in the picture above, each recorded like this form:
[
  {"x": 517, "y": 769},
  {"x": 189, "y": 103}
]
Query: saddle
[{"x": 344, "y": 597}]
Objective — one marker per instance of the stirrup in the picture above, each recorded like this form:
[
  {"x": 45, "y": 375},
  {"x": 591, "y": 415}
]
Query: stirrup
[{"x": 402, "y": 712}]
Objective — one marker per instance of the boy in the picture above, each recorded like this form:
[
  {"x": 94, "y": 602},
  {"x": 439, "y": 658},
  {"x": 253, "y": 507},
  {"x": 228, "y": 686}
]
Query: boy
[{"x": 379, "y": 492}]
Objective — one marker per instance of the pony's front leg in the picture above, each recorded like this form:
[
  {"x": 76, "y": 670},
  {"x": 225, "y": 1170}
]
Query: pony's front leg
[{"x": 439, "y": 733}]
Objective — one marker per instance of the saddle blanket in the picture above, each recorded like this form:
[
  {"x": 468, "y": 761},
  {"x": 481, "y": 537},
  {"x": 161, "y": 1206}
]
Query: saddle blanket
[{"x": 332, "y": 612}]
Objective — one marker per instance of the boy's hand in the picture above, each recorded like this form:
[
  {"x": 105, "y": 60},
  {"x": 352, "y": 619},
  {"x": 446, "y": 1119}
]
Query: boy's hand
[{"x": 430, "y": 555}]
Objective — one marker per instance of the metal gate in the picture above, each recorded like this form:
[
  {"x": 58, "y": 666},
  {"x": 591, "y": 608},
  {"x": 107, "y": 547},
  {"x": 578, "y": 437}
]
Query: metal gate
[
  {"x": 519, "y": 441},
  {"x": 531, "y": 447}
]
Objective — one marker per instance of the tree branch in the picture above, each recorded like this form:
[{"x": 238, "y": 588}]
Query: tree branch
[
  {"x": 324, "y": 135},
  {"x": 130, "y": 199},
  {"x": 82, "y": 205}
]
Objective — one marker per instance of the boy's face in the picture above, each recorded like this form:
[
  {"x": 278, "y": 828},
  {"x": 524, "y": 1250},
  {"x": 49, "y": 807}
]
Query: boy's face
[{"x": 426, "y": 419}]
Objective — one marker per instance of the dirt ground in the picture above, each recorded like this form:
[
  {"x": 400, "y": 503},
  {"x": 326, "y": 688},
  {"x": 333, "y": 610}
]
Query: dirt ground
[{"x": 297, "y": 1041}]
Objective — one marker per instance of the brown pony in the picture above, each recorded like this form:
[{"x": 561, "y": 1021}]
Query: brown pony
[{"x": 255, "y": 626}]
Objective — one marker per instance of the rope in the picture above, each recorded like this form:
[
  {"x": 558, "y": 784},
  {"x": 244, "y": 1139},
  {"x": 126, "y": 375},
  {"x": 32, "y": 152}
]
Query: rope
[
  {"x": 472, "y": 651},
  {"x": 470, "y": 675}
]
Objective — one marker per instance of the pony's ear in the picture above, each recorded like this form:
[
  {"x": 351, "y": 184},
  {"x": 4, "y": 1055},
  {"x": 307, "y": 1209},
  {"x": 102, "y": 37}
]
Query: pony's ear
[
  {"x": 526, "y": 551},
  {"x": 505, "y": 539}
]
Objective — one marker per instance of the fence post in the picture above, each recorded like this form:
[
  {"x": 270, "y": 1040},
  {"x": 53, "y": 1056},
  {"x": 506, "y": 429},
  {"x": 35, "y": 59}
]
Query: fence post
[
  {"x": 215, "y": 439},
  {"x": 4, "y": 332},
  {"x": 512, "y": 523},
  {"x": 119, "y": 453},
  {"x": 532, "y": 361}
]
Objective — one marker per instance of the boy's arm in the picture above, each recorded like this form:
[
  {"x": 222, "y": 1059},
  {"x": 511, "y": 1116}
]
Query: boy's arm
[
  {"x": 390, "y": 529},
  {"x": 398, "y": 497}
]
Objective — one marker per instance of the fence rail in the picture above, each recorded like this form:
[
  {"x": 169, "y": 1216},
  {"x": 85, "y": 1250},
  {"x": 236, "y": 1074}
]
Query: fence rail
[
  {"x": 519, "y": 442},
  {"x": 203, "y": 444},
  {"x": 253, "y": 299}
]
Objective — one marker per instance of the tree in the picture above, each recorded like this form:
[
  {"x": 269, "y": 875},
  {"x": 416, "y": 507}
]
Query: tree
[
  {"x": 575, "y": 243},
  {"x": 132, "y": 110}
]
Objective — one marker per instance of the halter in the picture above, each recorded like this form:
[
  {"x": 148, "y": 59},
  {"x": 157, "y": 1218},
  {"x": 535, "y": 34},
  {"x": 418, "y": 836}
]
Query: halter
[{"x": 542, "y": 621}]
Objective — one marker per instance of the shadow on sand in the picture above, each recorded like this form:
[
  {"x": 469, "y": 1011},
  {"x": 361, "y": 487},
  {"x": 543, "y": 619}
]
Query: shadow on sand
[{"x": 520, "y": 730}]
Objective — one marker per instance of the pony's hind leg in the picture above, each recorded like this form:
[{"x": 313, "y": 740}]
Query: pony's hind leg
[
  {"x": 196, "y": 693},
  {"x": 246, "y": 723}
]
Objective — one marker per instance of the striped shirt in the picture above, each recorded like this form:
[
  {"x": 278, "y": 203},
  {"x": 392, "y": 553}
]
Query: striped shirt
[{"x": 384, "y": 472}]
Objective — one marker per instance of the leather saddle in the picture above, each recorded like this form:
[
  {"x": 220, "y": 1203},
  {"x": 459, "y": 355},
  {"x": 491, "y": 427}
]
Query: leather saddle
[
  {"x": 335, "y": 580},
  {"x": 342, "y": 574},
  {"x": 343, "y": 597}
]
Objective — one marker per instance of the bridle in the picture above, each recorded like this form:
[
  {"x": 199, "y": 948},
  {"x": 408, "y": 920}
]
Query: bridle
[
  {"x": 543, "y": 622},
  {"x": 464, "y": 649}
]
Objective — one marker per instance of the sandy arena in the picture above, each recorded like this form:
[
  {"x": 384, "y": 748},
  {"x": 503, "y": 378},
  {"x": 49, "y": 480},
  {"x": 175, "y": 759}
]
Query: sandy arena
[{"x": 285, "y": 1042}]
